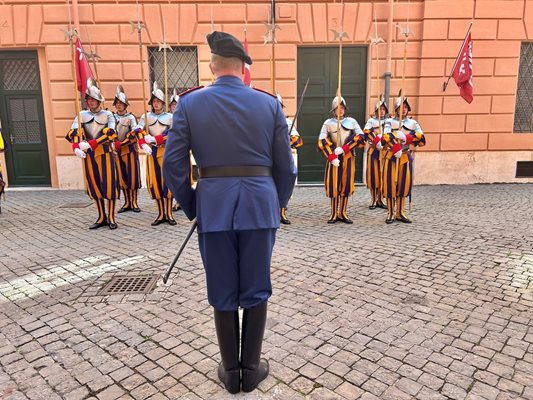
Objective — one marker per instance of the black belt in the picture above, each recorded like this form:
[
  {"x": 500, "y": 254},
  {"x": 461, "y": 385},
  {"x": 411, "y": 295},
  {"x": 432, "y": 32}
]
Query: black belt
[{"x": 234, "y": 171}]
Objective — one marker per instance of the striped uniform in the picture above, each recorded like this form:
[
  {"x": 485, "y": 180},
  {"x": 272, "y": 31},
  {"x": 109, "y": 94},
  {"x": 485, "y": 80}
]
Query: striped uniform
[
  {"x": 158, "y": 125},
  {"x": 101, "y": 180},
  {"x": 374, "y": 156},
  {"x": 339, "y": 181},
  {"x": 398, "y": 184},
  {"x": 127, "y": 155}
]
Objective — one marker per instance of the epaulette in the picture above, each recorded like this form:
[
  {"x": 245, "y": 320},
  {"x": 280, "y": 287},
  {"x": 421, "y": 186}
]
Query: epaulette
[
  {"x": 264, "y": 91},
  {"x": 190, "y": 90}
]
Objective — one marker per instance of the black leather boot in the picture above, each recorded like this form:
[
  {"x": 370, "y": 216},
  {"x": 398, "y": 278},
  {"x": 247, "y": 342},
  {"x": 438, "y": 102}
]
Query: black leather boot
[
  {"x": 227, "y": 327},
  {"x": 254, "y": 368}
]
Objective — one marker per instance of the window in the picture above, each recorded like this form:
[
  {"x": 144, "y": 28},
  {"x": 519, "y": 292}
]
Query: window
[
  {"x": 523, "y": 116},
  {"x": 182, "y": 68}
]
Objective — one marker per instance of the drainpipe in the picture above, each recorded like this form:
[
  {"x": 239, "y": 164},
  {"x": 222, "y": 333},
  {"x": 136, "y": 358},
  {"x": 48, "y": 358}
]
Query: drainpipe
[{"x": 387, "y": 75}]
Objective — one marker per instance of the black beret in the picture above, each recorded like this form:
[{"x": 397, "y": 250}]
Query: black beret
[{"x": 226, "y": 45}]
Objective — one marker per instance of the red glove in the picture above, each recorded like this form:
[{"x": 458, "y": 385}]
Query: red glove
[{"x": 116, "y": 145}]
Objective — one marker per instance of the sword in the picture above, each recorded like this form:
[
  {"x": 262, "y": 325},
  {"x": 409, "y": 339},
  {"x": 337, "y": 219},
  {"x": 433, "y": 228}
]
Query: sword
[
  {"x": 183, "y": 244},
  {"x": 299, "y": 106}
]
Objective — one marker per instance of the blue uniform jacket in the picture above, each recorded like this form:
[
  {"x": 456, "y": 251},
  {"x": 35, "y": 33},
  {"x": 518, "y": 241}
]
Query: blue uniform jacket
[{"x": 230, "y": 124}]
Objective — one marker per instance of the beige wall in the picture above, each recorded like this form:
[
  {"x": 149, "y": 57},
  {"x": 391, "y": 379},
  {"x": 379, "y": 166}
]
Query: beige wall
[{"x": 456, "y": 131}]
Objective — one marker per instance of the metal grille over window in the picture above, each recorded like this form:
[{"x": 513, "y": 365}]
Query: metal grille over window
[
  {"x": 182, "y": 68},
  {"x": 523, "y": 117},
  {"x": 25, "y": 120},
  {"x": 21, "y": 74}
]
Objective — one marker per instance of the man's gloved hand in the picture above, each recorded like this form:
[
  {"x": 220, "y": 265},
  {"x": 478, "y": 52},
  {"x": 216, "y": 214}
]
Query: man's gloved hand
[
  {"x": 150, "y": 139},
  {"x": 80, "y": 153},
  {"x": 84, "y": 145},
  {"x": 339, "y": 151},
  {"x": 116, "y": 145},
  {"x": 377, "y": 142},
  {"x": 336, "y": 162},
  {"x": 146, "y": 149},
  {"x": 397, "y": 150},
  {"x": 401, "y": 136}
]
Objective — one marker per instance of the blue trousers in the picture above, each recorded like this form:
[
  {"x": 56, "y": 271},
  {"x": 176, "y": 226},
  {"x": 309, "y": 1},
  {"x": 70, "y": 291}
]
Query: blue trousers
[{"x": 237, "y": 267}]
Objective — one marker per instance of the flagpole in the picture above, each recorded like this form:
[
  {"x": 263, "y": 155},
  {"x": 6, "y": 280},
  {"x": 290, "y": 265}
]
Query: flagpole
[
  {"x": 93, "y": 56},
  {"x": 139, "y": 26},
  {"x": 273, "y": 53},
  {"x": 406, "y": 33},
  {"x": 376, "y": 41},
  {"x": 339, "y": 35},
  {"x": 164, "y": 46},
  {"x": 445, "y": 84},
  {"x": 71, "y": 33}
]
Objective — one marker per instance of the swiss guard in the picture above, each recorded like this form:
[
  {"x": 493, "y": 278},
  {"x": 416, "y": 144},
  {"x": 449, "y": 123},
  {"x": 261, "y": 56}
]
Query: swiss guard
[
  {"x": 398, "y": 163},
  {"x": 173, "y": 102},
  {"x": 340, "y": 166},
  {"x": 127, "y": 154},
  {"x": 153, "y": 133},
  {"x": 374, "y": 129},
  {"x": 296, "y": 141},
  {"x": 94, "y": 144}
]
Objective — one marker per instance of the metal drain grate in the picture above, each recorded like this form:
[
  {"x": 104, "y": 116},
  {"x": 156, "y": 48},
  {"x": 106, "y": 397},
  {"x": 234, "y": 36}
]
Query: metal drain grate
[
  {"x": 75, "y": 205},
  {"x": 129, "y": 285}
]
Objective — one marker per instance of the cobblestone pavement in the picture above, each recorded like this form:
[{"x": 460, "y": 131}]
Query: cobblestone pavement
[{"x": 439, "y": 309}]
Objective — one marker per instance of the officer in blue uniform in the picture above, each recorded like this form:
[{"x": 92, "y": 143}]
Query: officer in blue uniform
[{"x": 239, "y": 138}]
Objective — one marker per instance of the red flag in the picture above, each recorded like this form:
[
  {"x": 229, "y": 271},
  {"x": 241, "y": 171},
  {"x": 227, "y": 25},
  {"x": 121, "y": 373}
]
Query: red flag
[
  {"x": 83, "y": 70},
  {"x": 247, "y": 74},
  {"x": 462, "y": 73}
]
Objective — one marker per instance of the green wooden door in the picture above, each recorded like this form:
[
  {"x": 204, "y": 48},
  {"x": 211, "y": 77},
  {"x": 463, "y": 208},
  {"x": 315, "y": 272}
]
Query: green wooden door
[
  {"x": 320, "y": 65},
  {"x": 21, "y": 113}
]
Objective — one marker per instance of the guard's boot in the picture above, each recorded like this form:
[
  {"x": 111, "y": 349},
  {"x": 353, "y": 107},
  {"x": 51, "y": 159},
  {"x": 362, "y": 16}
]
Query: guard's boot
[
  {"x": 400, "y": 215},
  {"x": 334, "y": 205},
  {"x": 168, "y": 211},
  {"x": 127, "y": 202},
  {"x": 343, "y": 217},
  {"x": 283, "y": 217},
  {"x": 254, "y": 368},
  {"x": 390, "y": 211},
  {"x": 176, "y": 207},
  {"x": 102, "y": 218},
  {"x": 98, "y": 224},
  {"x": 134, "y": 205},
  {"x": 227, "y": 327},
  {"x": 111, "y": 214},
  {"x": 161, "y": 210}
]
